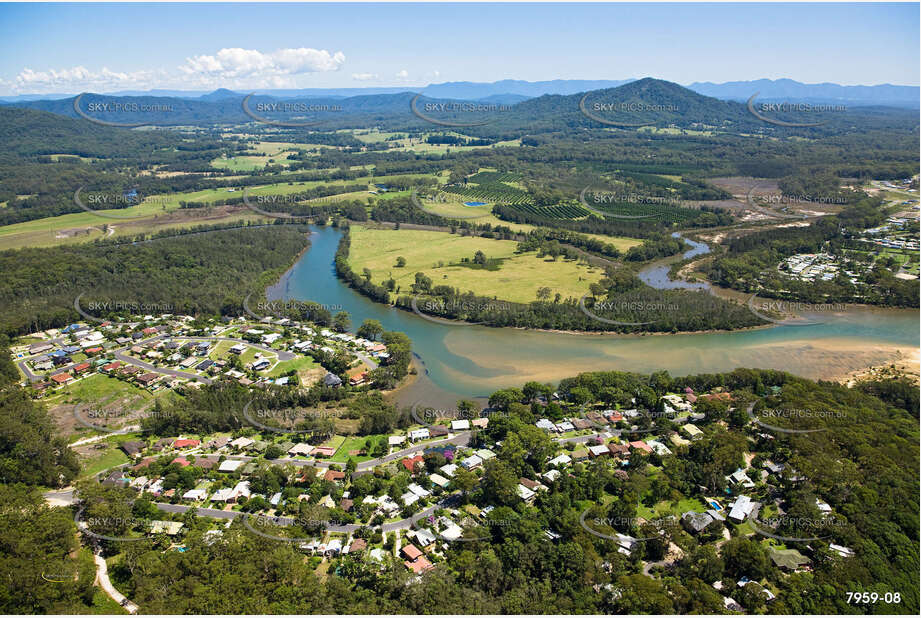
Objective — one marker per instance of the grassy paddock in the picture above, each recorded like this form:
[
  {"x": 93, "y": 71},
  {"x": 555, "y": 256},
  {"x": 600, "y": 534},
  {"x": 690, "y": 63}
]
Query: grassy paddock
[{"x": 517, "y": 279}]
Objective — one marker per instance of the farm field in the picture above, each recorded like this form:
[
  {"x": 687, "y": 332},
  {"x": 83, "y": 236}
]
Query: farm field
[
  {"x": 517, "y": 279},
  {"x": 622, "y": 243}
]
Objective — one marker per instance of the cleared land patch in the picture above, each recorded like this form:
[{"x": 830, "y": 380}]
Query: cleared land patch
[{"x": 517, "y": 279}]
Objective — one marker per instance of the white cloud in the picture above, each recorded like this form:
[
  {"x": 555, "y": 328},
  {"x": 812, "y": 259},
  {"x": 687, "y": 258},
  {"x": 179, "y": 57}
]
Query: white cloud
[
  {"x": 404, "y": 74},
  {"x": 234, "y": 62},
  {"x": 78, "y": 78},
  {"x": 365, "y": 77},
  {"x": 228, "y": 68}
]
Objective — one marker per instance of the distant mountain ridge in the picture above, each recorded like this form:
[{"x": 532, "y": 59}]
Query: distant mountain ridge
[
  {"x": 512, "y": 91},
  {"x": 790, "y": 90}
]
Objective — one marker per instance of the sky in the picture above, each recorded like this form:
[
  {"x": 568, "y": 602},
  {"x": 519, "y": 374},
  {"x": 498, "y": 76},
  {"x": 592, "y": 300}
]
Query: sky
[{"x": 70, "y": 48}]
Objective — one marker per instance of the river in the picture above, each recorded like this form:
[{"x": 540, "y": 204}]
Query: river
[{"x": 473, "y": 361}]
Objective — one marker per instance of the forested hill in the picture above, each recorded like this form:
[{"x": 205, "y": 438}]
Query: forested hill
[{"x": 645, "y": 101}]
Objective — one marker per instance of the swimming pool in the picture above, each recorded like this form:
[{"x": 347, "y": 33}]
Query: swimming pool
[
  {"x": 474, "y": 203},
  {"x": 715, "y": 505}
]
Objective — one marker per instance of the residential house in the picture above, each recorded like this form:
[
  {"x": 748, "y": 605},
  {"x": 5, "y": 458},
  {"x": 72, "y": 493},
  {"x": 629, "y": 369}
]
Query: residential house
[
  {"x": 472, "y": 462},
  {"x": 419, "y": 434},
  {"x": 301, "y": 449},
  {"x": 133, "y": 448},
  {"x": 742, "y": 508},
  {"x": 229, "y": 465},
  {"x": 639, "y": 444},
  {"x": 410, "y": 463},
  {"x": 598, "y": 450},
  {"x": 788, "y": 559},
  {"x": 62, "y": 378},
  {"x": 696, "y": 522},
  {"x": 438, "y": 431}
]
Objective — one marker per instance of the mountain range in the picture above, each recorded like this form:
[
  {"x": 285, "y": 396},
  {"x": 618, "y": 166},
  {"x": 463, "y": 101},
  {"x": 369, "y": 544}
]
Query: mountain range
[
  {"x": 636, "y": 103},
  {"x": 513, "y": 91}
]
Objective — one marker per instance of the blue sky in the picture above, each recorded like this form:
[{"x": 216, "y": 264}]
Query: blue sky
[{"x": 106, "y": 47}]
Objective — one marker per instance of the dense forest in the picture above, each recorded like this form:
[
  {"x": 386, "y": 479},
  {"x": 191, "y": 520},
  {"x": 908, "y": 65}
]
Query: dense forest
[{"x": 190, "y": 274}]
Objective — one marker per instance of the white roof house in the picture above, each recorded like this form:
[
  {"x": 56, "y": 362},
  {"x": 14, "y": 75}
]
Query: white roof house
[
  {"x": 524, "y": 493},
  {"x": 741, "y": 508},
  {"x": 241, "y": 489},
  {"x": 242, "y": 442},
  {"x": 565, "y": 426},
  {"x": 409, "y": 498},
  {"x": 195, "y": 494},
  {"x": 300, "y": 449},
  {"x": 439, "y": 480},
  {"x": 545, "y": 424},
  {"x": 418, "y": 490},
  {"x": 419, "y": 434},
  {"x": 841, "y": 550},
  {"x": 222, "y": 495},
  {"x": 741, "y": 478},
  {"x": 560, "y": 460},
  {"x": 485, "y": 454},
  {"x": 460, "y": 425},
  {"x": 452, "y": 532},
  {"x": 472, "y": 462},
  {"x": 396, "y": 440},
  {"x": 229, "y": 465},
  {"x": 449, "y": 469},
  {"x": 551, "y": 475}
]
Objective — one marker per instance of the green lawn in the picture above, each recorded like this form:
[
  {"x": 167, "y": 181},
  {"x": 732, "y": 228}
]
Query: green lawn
[
  {"x": 111, "y": 457},
  {"x": 353, "y": 443},
  {"x": 97, "y": 388},
  {"x": 298, "y": 364},
  {"x": 665, "y": 508},
  {"x": 517, "y": 279}
]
